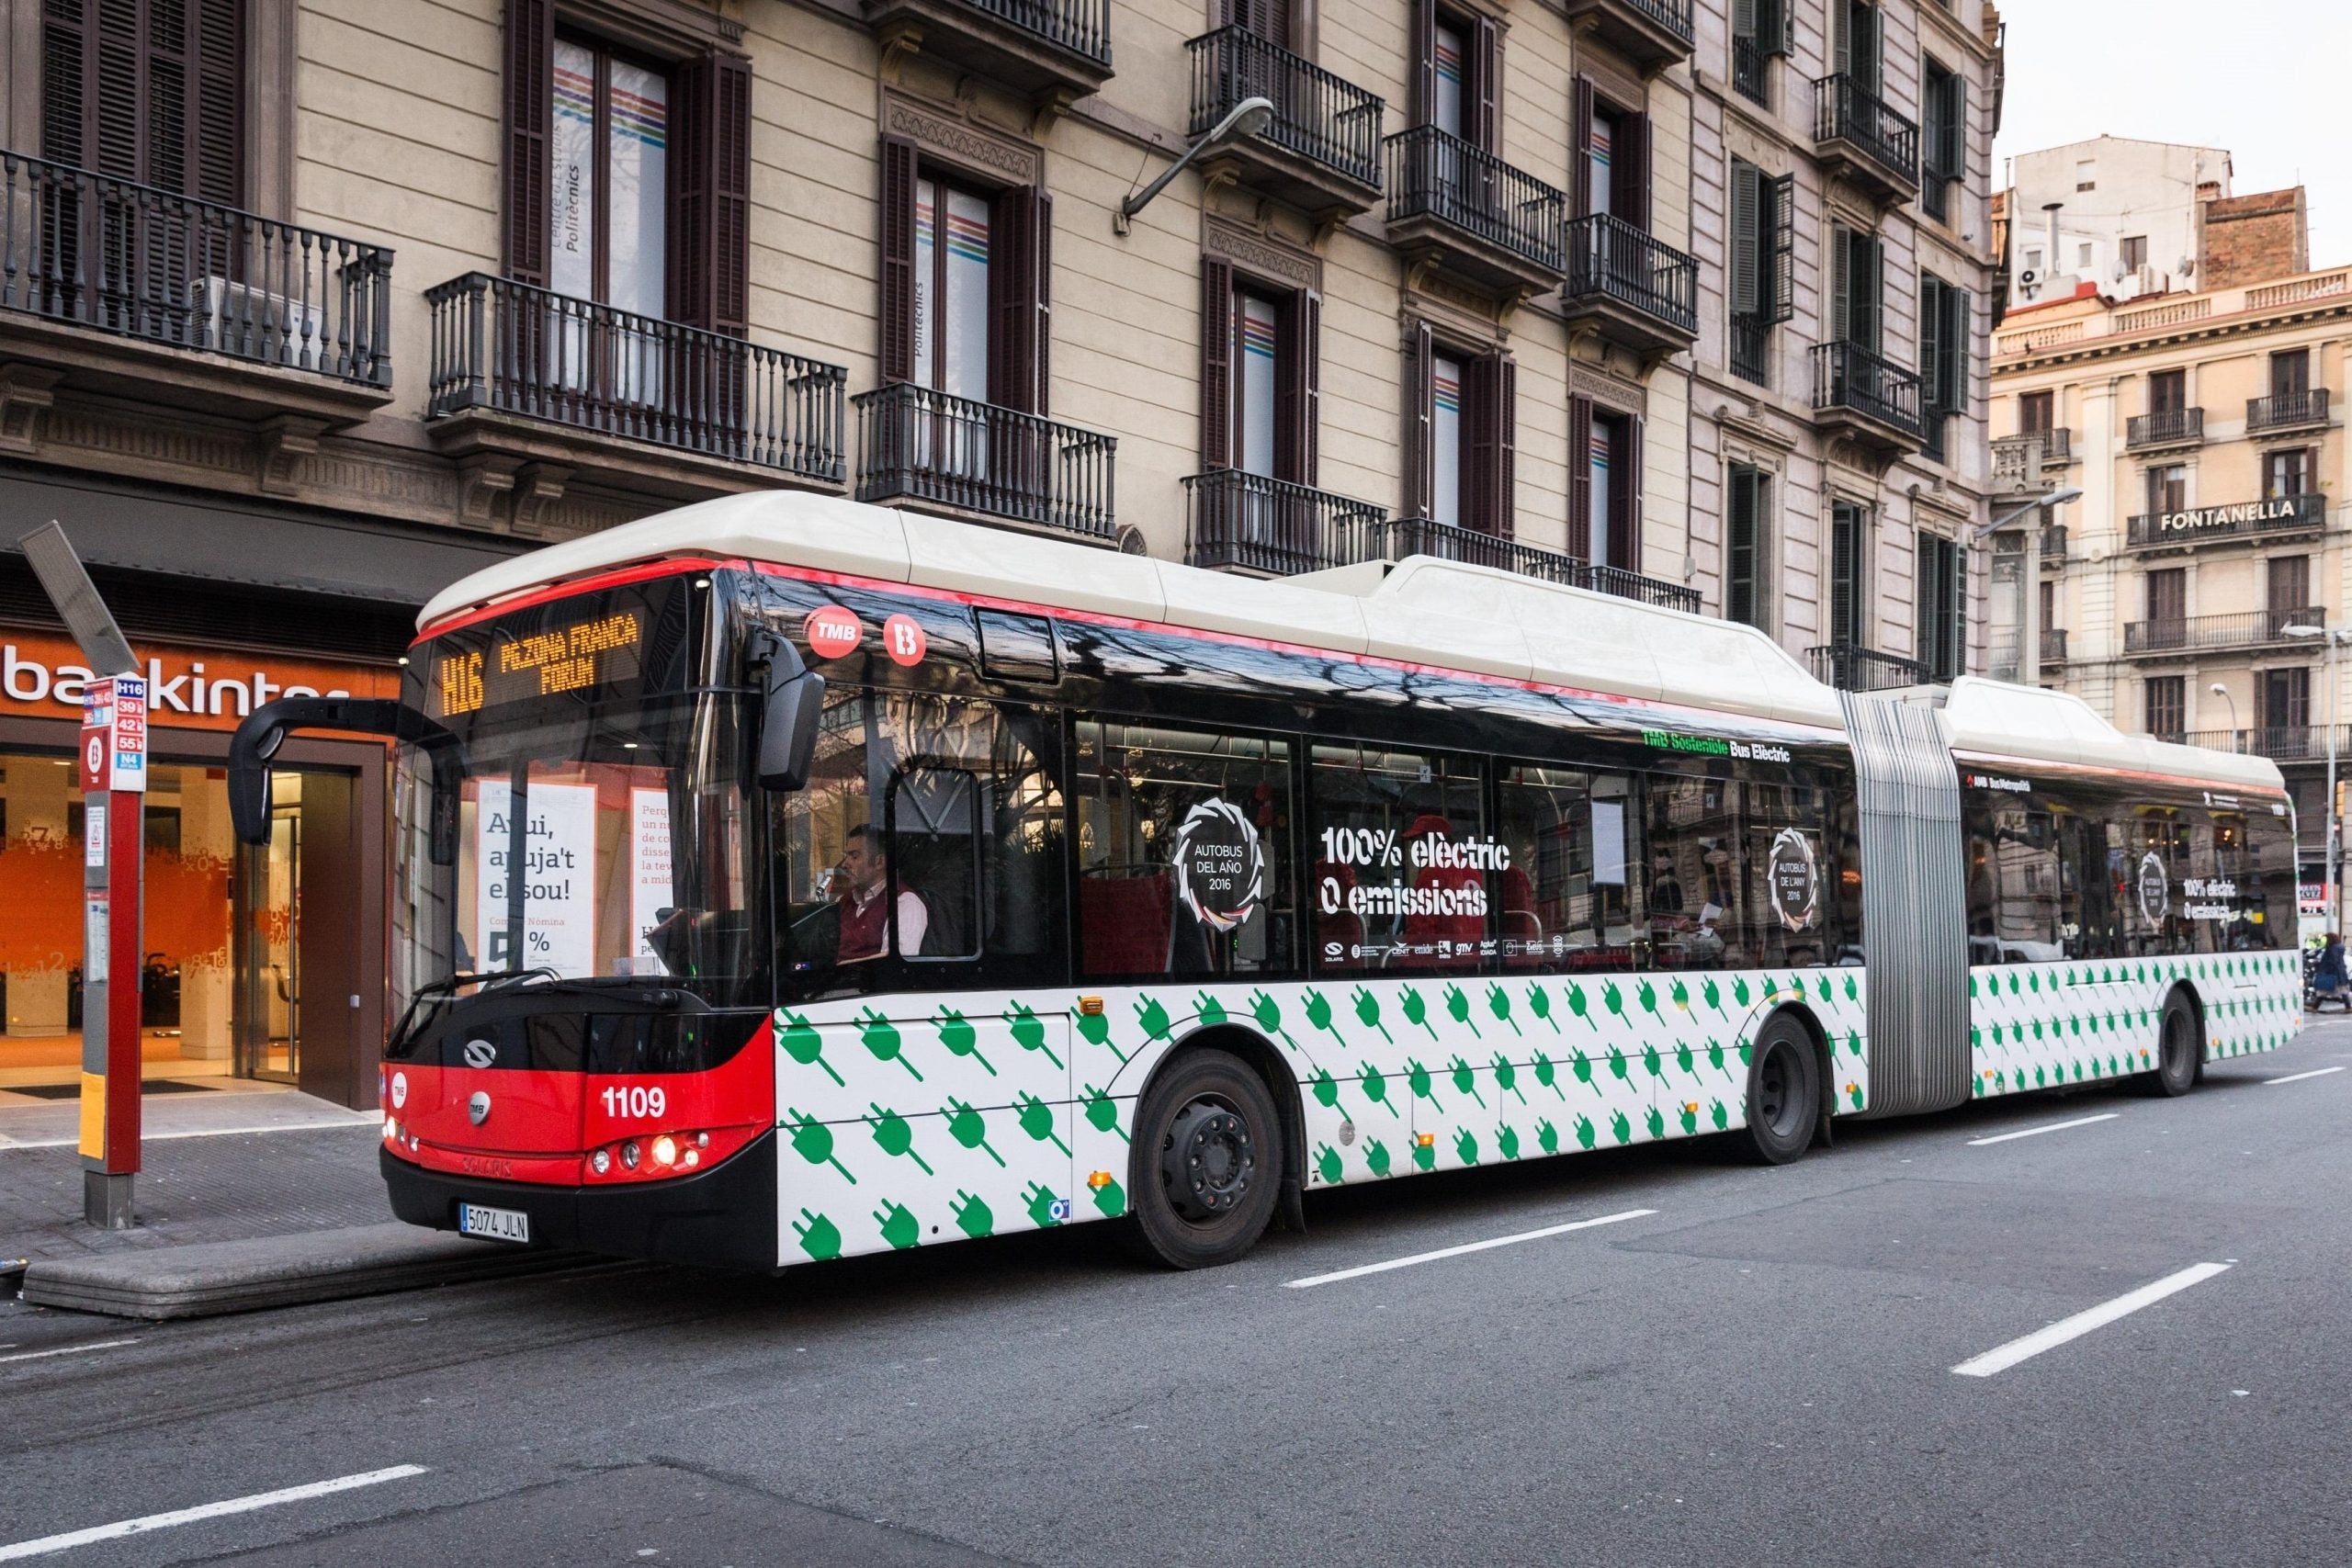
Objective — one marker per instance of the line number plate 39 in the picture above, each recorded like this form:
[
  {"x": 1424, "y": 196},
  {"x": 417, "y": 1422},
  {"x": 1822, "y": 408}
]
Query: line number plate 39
[{"x": 493, "y": 1224}]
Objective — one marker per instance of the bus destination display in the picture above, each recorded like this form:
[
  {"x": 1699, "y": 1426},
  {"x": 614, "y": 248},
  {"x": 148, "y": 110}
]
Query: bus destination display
[{"x": 594, "y": 651}]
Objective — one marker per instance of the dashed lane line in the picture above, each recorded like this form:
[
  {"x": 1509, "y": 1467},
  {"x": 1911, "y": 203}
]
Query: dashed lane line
[
  {"x": 2002, "y": 1358},
  {"x": 1358, "y": 1272},
  {"x": 68, "y": 1349},
  {"x": 2046, "y": 1127},
  {"x": 2298, "y": 1077},
  {"x": 66, "y": 1542}
]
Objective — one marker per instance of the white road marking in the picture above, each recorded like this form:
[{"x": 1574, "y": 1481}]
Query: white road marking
[
  {"x": 71, "y": 1538},
  {"x": 2298, "y": 1077},
  {"x": 366, "y": 1119},
  {"x": 2051, "y": 1127},
  {"x": 1358, "y": 1273},
  {"x": 2006, "y": 1356},
  {"x": 69, "y": 1350}
]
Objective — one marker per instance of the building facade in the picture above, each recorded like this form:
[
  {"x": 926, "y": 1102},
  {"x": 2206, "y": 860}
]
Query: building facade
[
  {"x": 2181, "y": 593},
  {"x": 311, "y": 306}
]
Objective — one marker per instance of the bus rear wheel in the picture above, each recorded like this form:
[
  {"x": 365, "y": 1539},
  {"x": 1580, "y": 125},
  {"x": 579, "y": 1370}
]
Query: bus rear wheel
[
  {"x": 2179, "y": 1050},
  {"x": 1208, "y": 1161},
  {"x": 1783, "y": 1091}
]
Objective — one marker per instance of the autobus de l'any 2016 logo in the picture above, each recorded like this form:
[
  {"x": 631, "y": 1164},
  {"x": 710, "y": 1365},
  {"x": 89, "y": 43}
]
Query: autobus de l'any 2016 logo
[
  {"x": 2155, "y": 888},
  {"x": 1220, "y": 867}
]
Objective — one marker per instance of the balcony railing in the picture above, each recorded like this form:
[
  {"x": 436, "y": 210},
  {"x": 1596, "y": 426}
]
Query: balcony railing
[
  {"x": 2054, "y": 544},
  {"x": 1751, "y": 71},
  {"x": 1848, "y": 376},
  {"x": 1236, "y": 519},
  {"x": 1402, "y": 536},
  {"x": 1317, "y": 116},
  {"x": 1751, "y": 349},
  {"x": 2280, "y": 743},
  {"x": 919, "y": 445},
  {"x": 2287, "y": 410},
  {"x": 2245, "y": 628},
  {"x": 1674, "y": 16},
  {"x": 1609, "y": 256},
  {"x": 106, "y": 254},
  {"x": 1850, "y": 667},
  {"x": 2169, "y": 427},
  {"x": 1083, "y": 27},
  {"x": 1440, "y": 175},
  {"x": 2206, "y": 524},
  {"x": 2054, "y": 645},
  {"x": 2012, "y": 455},
  {"x": 512, "y": 348},
  {"x": 1846, "y": 111}
]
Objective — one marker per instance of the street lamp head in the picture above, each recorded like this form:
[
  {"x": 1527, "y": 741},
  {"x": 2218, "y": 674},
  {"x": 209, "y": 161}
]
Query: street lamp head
[
  {"x": 2299, "y": 629},
  {"x": 2218, "y": 688}
]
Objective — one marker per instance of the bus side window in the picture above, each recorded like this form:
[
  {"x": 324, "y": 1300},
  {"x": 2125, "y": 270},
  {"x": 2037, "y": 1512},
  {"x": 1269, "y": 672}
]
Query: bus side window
[
  {"x": 938, "y": 820},
  {"x": 1565, "y": 894}
]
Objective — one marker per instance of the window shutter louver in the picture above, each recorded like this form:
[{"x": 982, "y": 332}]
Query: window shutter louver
[
  {"x": 1955, "y": 151},
  {"x": 530, "y": 70},
  {"x": 64, "y": 96},
  {"x": 1506, "y": 476},
  {"x": 1479, "y": 396},
  {"x": 1959, "y": 663},
  {"x": 1216, "y": 364},
  {"x": 1424, "y": 59},
  {"x": 1740, "y": 547},
  {"x": 1841, "y": 286},
  {"x": 1020, "y": 281},
  {"x": 1744, "y": 14},
  {"x": 1300, "y": 365},
  {"x": 1781, "y": 203},
  {"x": 216, "y": 156},
  {"x": 1631, "y": 158},
  {"x": 1747, "y": 259},
  {"x": 1041, "y": 295},
  {"x": 1487, "y": 61},
  {"x": 1420, "y": 386},
  {"x": 1959, "y": 308},
  {"x": 1843, "y": 560},
  {"x": 1580, "y": 113},
  {"x": 898, "y": 223},
  {"x": 711, "y": 194},
  {"x": 1580, "y": 478},
  {"x": 1627, "y": 534},
  {"x": 1931, "y": 331}
]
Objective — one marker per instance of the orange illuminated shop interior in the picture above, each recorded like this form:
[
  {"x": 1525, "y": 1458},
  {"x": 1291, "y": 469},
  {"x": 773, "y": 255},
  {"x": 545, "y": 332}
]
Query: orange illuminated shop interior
[{"x": 217, "y": 1013}]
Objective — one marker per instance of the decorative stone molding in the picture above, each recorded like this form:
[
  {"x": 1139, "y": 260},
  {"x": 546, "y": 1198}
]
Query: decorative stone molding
[
  {"x": 288, "y": 441},
  {"x": 1622, "y": 396},
  {"x": 1625, "y": 89},
  {"x": 963, "y": 141},
  {"x": 1264, "y": 256},
  {"x": 538, "y": 487},
  {"x": 668, "y": 30},
  {"x": 1454, "y": 308},
  {"x": 26, "y": 394},
  {"x": 483, "y": 479}
]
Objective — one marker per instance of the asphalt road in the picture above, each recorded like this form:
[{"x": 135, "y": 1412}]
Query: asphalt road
[{"x": 1758, "y": 1371}]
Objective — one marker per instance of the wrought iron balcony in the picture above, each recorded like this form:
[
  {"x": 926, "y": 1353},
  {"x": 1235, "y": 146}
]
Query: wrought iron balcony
[
  {"x": 1751, "y": 70},
  {"x": 1751, "y": 349},
  {"x": 980, "y": 461},
  {"x": 2218, "y": 524},
  {"x": 1652, "y": 34},
  {"x": 1321, "y": 152},
  {"x": 1850, "y": 667},
  {"x": 1052, "y": 49},
  {"x": 1255, "y": 523},
  {"x": 2053, "y": 646},
  {"x": 2287, "y": 410},
  {"x": 1473, "y": 213},
  {"x": 2245, "y": 628},
  {"x": 2171, "y": 427},
  {"x": 506, "y": 348},
  {"x": 1877, "y": 399},
  {"x": 2054, "y": 544},
  {"x": 1642, "y": 295},
  {"x": 1402, "y": 536},
  {"x": 84, "y": 254},
  {"x": 2280, "y": 743},
  {"x": 1855, "y": 128},
  {"x": 2013, "y": 455}
]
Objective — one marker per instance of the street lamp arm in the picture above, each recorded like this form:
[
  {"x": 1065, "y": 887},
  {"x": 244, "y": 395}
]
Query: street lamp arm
[{"x": 1246, "y": 117}]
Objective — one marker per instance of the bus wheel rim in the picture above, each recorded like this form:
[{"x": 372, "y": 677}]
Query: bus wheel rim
[{"x": 1208, "y": 1160}]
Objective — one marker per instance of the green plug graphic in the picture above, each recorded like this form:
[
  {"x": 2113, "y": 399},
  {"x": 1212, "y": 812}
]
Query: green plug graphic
[
  {"x": 961, "y": 1039},
  {"x": 813, "y": 1141},
  {"x": 900, "y": 1227},
  {"x": 896, "y": 1135},
  {"x": 1029, "y": 1031},
  {"x": 819, "y": 1238},
  {"x": 804, "y": 1044},
  {"x": 968, "y": 1127},
  {"x": 881, "y": 1037}
]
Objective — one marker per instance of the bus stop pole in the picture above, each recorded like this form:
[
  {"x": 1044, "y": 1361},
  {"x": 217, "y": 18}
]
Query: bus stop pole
[{"x": 113, "y": 766}]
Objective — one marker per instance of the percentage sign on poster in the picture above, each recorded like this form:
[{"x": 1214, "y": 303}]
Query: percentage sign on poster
[
  {"x": 537, "y": 943},
  {"x": 1390, "y": 853}
]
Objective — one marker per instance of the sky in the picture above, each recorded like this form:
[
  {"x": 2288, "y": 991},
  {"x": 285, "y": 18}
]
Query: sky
[{"x": 2263, "y": 78}]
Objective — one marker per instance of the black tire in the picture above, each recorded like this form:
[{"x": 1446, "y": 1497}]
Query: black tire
[
  {"x": 1207, "y": 1166},
  {"x": 2180, "y": 1049},
  {"x": 1783, "y": 1091}
]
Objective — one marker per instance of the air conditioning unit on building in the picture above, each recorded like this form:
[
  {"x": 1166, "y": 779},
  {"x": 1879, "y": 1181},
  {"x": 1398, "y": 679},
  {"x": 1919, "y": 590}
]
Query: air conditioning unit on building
[{"x": 253, "y": 323}]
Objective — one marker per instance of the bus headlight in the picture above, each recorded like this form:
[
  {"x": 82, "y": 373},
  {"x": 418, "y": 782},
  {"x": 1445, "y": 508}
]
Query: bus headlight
[
  {"x": 600, "y": 1162},
  {"x": 665, "y": 1151}
]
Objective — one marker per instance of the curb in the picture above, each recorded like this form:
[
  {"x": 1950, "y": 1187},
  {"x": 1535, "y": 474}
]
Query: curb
[{"x": 209, "y": 1278}]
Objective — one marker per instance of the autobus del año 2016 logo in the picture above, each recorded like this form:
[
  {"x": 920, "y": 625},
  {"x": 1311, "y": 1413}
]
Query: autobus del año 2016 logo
[
  {"x": 1794, "y": 879},
  {"x": 1220, "y": 869},
  {"x": 2155, "y": 890}
]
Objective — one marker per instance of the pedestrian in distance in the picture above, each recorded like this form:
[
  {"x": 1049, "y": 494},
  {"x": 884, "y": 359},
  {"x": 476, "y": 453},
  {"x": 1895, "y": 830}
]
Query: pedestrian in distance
[{"x": 2329, "y": 982}]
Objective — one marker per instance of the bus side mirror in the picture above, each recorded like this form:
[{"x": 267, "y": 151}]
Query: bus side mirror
[
  {"x": 796, "y": 699},
  {"x": 249, "y": 792}
]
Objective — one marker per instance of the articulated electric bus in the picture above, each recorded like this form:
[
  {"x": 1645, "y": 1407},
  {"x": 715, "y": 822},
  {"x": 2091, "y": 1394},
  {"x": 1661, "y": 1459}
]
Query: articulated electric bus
[{"x": 783, "y": 878}]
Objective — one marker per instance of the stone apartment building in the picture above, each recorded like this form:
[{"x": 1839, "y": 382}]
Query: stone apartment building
[
  {"x": 2200, "y": 426},
  {"x": 307, "y": 307}
]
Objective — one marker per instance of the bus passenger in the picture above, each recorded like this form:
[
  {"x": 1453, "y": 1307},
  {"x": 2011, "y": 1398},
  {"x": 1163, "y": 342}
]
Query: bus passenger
[{"x": 864, "y": 924}]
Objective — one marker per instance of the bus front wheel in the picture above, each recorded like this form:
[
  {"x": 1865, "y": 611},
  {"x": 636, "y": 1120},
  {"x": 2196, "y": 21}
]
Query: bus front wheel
[
  {"x": 1208, "y": 1161},
  {"x": 1783, "y": 1091}
]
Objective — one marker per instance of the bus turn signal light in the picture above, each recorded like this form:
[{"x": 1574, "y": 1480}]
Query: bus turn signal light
[{"x": 1098, "y": 1180}]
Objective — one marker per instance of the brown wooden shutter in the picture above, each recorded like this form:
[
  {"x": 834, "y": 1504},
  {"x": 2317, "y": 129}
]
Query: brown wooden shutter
[
  {"x": 1020, "y": 278},
  {"x": 1419, "y": 393},
  {"x": 1487, "y": 82},
  {"x": 65, "y": 98},
  {"x": 710, "y": 200},
  {"x": 1631, "y": 160},
  {"x": 1506, "y": 471},
  {"x": 1625, "y": 538},
  {"x": 1582, "y": 107},
  {"x": 1421, "y": 51},
  {"x": 1580, "y": 478},
  {"x": 898, "y": 312},
  {"x": 1299, "y": 360},
  {"x": 1216, "y": 362},
  {"x": 530, "y": 73},
  {"x": 216, "y": 123}
]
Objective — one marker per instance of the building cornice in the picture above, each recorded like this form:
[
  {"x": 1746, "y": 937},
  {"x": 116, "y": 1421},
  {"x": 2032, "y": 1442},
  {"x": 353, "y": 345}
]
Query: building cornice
[{"x": 2238, "y": 324}]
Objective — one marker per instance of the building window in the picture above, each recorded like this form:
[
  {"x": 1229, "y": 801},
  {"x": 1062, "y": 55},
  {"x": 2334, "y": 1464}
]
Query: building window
[
  {"x": 1849, "y": 551},
  {"x": 967, "y": 275},
  {"x": 1610, "y": 158},
  {"x": 1747, "y": 526},
  {"x": 2037, "y": 414},
  {"x": 608, "y": 199},
  {"x": 1943, "y": 136},
  {"x": 1604, "y": 486},
  {"x": 1260, "y": 376},
  {"x": 2288, "y": 581},
  {"x": 952, "y": 294},
  {"x": 2087, "y": 173},
  {"x": 1763, "y": 243},
  {"x": 1461, "y": 434},
  {"x": 2167, "y": 596},
  {"x": 2282, "y": 699},
  {"x": 1859, "y": 42},
  {"x": 1269, "y": 19},
  {"x": 2167, "y": 488},
  {"x": 2168, "y": 392},
  {"x": 1945, "y": 320},
  {"x": 2290, "y": 373},
  {"x": 2163, "y": 706},
  {"x": 2135, "y": 251},
  {"x": 149, "y": 90},
  {"x": 1856, "y": 313},
  {"x": 1942, "y": 606},
  {"x": 1457, "y": 74},
  {"x": 2287, "y": 474},
  {"x": 1759, "y": 29}
]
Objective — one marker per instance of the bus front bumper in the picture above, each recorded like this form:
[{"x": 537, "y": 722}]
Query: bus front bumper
[{"x": 720, "y": 1218}]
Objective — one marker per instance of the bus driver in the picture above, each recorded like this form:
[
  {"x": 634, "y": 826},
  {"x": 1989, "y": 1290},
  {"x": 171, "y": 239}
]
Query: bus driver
[{"x": 864, "y": 923}]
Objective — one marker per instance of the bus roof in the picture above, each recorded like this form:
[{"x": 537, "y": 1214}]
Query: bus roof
[{"x": 1421, "y": 610}]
